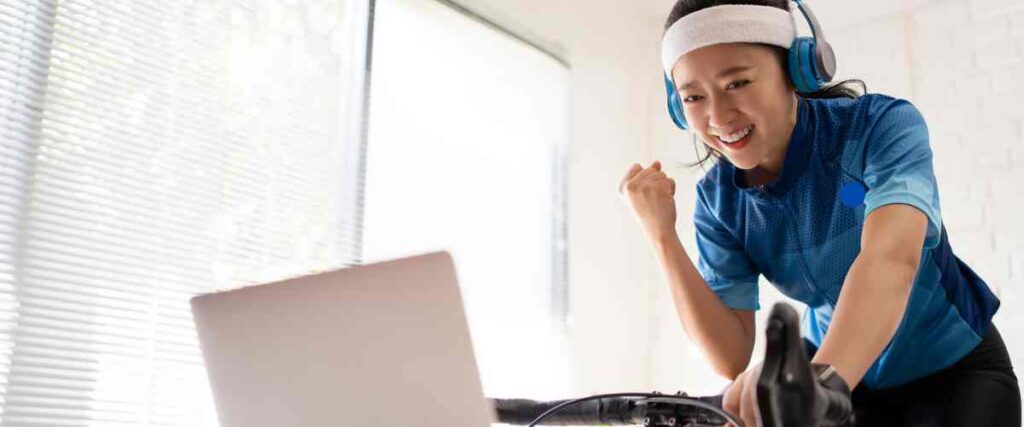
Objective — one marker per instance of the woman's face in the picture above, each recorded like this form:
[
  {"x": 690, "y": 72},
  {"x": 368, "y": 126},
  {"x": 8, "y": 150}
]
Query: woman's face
[{"x": 729, "y": 89}]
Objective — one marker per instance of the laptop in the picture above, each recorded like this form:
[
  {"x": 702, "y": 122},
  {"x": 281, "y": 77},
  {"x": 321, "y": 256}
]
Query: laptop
[{"x": 381, "y": 344}]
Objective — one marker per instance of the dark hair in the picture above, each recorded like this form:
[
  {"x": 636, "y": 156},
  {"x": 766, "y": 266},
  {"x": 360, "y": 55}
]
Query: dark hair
[{"x": 842, "y": 89}]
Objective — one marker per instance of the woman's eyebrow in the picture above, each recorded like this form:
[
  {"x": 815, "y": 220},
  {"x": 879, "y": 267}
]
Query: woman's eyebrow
[{"x": 731, "y": 70}]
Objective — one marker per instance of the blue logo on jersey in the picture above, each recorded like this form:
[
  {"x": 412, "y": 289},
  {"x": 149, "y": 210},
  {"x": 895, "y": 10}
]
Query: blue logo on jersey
[{"x": 852, "y": 194}]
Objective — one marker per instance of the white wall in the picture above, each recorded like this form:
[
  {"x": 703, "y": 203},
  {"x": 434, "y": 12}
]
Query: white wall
[{"x": 961, "y": 63}]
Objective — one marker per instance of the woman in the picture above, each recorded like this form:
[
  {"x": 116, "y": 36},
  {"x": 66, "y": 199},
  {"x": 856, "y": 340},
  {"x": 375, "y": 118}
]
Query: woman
[{"x": 831, "y": 196}]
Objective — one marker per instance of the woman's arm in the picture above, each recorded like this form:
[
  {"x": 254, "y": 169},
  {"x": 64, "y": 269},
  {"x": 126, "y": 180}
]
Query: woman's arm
[
  {"x": 874, "y": 296},
  {"x": 725, "y": 334}
]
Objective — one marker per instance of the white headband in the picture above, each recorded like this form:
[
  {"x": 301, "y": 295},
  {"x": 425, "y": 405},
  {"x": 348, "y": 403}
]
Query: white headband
[{"x": 726, "y": 24}]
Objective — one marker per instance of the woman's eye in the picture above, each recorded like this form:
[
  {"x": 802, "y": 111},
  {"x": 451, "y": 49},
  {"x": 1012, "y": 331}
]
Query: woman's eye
[
  {"x": 733, "y": 85},
  {"x": 738, "y": 83}
]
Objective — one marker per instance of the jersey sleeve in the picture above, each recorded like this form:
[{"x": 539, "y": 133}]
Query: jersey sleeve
[
  {"x": 898, "y": 166},
  {"x": 722, "y": 261}
]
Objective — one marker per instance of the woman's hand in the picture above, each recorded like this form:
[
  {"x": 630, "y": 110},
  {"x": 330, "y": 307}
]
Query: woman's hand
[
  {"x": 740, "y": 399},
  {"x": 649, "y": 193}
]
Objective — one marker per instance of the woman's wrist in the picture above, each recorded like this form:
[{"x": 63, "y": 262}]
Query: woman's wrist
[
  {"x": 662, "y": 238},
  {"x": 827, "y": 376}
]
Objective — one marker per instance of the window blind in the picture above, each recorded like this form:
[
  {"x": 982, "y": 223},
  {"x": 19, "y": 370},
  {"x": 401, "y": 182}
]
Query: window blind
[
  {"x": 24, "y": 41},
  {"x": 154, "y": 150},
  {"x": 151, "y": 151}
]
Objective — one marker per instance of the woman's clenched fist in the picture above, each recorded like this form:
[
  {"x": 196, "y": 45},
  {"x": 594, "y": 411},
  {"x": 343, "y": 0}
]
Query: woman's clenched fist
[{"x": 649, "y": 194}]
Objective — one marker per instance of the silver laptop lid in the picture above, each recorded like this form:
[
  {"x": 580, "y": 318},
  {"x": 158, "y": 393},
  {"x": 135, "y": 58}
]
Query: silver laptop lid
[{"x": 383, "y": 344}]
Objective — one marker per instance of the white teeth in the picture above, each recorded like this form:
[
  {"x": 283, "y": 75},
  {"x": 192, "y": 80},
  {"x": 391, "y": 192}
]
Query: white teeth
[{"x": 728, "y": 139}]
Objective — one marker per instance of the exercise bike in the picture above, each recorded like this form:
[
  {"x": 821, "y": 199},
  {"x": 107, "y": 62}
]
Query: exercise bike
[{"x": 788, "y": 395}]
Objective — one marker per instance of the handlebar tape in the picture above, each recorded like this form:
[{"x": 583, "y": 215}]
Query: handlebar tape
[{"x": 606, "y": 411}]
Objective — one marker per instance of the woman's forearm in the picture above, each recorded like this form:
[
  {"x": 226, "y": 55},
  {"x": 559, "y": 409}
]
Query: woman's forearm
[
  {"x": 871, "y": 305},
  {"x": 706, "y": 319}
]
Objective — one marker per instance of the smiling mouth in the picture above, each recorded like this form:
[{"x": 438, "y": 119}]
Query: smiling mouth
[{"x": 737, "y": 137}]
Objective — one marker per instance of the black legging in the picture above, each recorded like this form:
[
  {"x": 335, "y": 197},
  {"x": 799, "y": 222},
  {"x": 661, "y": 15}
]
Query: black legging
[{"x": 979, "y": 390}]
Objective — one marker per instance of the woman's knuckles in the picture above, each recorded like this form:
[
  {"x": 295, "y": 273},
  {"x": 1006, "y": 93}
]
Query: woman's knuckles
[{"x": 645, "y": 187}]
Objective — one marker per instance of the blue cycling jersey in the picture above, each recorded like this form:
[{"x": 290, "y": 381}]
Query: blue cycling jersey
[{"x": 845, "y": 158}]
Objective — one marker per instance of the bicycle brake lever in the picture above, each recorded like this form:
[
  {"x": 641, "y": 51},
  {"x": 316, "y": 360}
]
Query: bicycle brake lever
[{"x": 785, "y": 388}]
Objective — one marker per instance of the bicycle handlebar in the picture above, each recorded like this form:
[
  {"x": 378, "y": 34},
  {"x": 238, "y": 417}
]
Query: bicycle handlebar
[
  {"x": 789, "y": 394},
  {"x": 649, "y": 409},
  {"x": 604, "y": 411}
]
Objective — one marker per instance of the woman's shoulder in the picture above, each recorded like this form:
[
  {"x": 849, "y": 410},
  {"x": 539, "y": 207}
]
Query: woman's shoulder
[
  {"x": 715, "y": 179},
  {"x": 715, "y": 190},
  {"x": 844, "y": 127},
  {"x": 864, "y": 110},
  {"x": 885, "y": 118},
  {"x": 866, "y": 99}
]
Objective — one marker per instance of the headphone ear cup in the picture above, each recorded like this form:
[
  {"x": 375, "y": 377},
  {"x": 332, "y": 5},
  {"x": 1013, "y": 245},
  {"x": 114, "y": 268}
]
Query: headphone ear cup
[
  {"x": 675, "y": 108},
  {"x": 803, "y": 65}
]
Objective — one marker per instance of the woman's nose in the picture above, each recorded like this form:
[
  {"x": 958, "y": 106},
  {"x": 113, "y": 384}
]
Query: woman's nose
[{"x": 721, "y": 113}]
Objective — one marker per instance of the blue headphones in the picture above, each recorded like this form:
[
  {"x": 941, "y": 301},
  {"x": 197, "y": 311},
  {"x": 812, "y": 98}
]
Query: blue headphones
[{"x": 812, "y": 63}]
